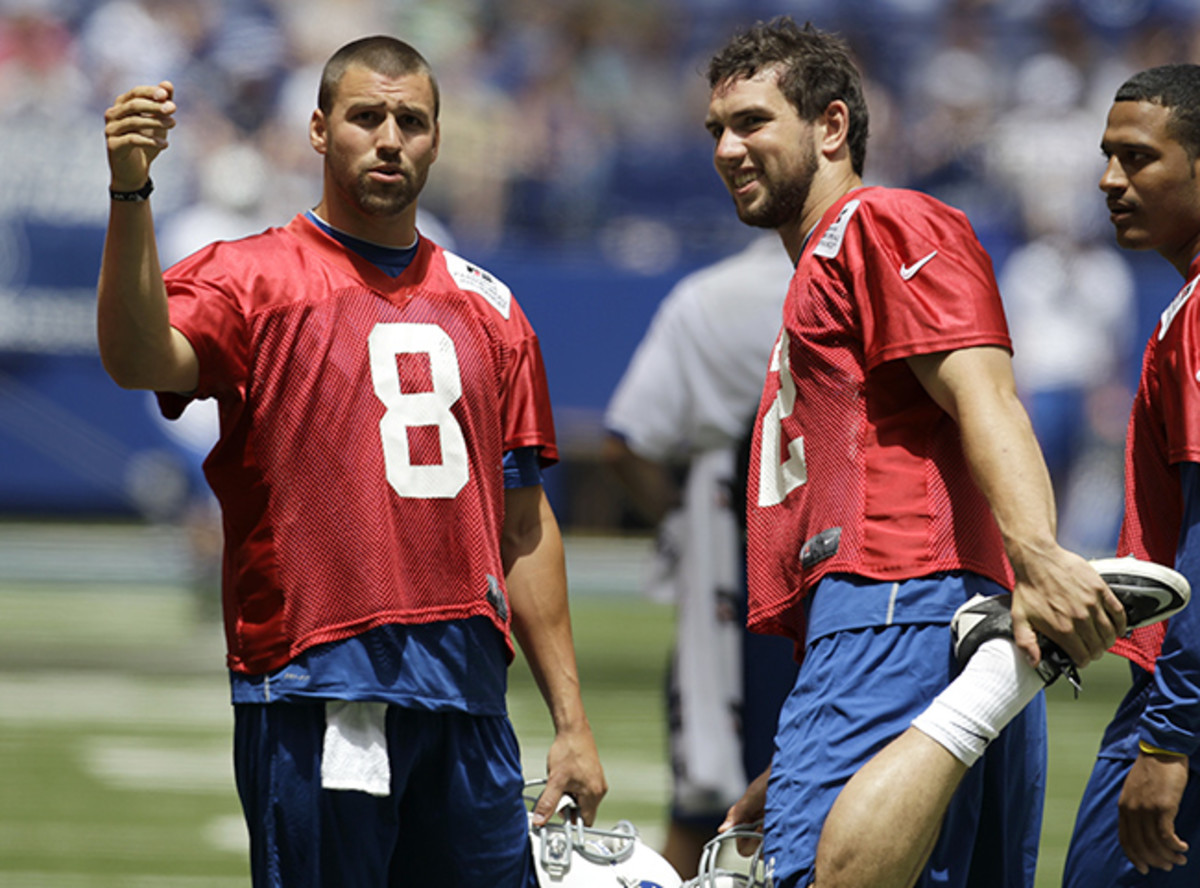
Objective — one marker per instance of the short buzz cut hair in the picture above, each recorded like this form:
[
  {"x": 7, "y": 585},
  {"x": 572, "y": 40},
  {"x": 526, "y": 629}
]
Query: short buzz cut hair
[
  {"x": 1175, "y": 88},
  {"x": 815, "y": 68},
  {"x": 381, "y": 54}
]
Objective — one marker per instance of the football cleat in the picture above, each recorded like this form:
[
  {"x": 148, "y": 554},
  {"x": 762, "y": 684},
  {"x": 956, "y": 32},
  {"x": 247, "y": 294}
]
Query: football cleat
[
  {"x": 568, "y": 854},
  {"x": 985, "y": 617},
  {"x": 1149, "y": 593},
  {"x": 722, "y": 864}
]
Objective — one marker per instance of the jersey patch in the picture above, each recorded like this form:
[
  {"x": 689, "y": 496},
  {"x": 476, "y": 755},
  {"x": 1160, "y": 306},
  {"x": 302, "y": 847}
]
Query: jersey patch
[
  {"x": 831, "y": 241},
  {"x": 817, "y": 548},
  {"x": 1176, "y": 305},
  {"x": 473, "y": 278}
]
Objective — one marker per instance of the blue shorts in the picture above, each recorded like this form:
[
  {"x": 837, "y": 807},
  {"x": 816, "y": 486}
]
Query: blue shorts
[
  {"x": 859, "y": 688},
  {"x": 455, "y": 816},
  {"x": 1095, "y": 858}
]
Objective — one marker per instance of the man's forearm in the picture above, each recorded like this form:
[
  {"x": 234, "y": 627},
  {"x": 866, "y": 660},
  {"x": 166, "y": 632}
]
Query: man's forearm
[
  {"x": 536, "y": 578},
  {"x": 648, "y": 484},
  {"x": 535, "y": 572},
  {"x": 1171, "y": 718},
  {"x": 138, "y": 346},
  {"x": 1056, "y": 592}
]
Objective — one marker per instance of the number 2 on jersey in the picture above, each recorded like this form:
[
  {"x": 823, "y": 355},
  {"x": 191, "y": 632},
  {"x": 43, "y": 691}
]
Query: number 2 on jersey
[
  {"x": 420, "y": 409},
  {"x": 779, "y": 475}
]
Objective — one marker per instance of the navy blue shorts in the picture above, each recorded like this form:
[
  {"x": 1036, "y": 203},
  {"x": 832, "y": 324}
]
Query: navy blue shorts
[
  {"x": 859, "y": 688},
  {"x": 455, "y": 816},
  {"x": 1095, "y": 858}
]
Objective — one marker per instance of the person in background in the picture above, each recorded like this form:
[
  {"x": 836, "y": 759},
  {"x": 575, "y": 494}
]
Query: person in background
[{"x": 685, "y": 402}]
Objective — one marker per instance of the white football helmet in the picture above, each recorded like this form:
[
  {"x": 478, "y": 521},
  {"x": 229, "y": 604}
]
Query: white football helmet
[
  {"x": 722, "y": 865},
  {"x": 568, "y": 854}
]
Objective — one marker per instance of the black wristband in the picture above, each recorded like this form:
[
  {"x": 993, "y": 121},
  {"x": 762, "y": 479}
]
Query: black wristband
[{"x": 141, "y": 194}]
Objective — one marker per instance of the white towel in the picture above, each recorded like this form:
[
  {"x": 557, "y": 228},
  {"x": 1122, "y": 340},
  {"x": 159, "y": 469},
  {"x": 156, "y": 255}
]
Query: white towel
[{"x": 355, "y": 753}]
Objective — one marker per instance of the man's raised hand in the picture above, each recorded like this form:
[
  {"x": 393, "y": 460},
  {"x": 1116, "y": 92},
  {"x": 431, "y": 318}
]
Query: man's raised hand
[{"x": 135, "y": 128}]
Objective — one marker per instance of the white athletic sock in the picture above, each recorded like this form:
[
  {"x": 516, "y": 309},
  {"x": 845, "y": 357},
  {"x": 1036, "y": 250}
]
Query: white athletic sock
[{"x": 996, "y": 684}]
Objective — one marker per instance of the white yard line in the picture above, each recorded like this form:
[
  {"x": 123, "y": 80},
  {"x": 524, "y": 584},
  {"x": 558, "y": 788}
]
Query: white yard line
[
  {"x": 135, "y": 763},
  {"x": 109, "y": 698},
  {"x": 34, "y": 879}
]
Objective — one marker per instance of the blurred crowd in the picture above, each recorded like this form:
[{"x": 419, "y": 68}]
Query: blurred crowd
[
  {"x": 577, "y": 125},
  {"x": 563, "y": 118}
]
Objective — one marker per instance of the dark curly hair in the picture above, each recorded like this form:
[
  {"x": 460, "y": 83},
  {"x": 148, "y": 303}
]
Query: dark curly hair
[{"x": 815, "y": 68}]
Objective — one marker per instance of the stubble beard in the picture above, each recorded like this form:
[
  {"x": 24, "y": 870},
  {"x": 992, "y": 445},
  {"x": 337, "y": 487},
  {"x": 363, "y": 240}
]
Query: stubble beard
[
  {"x": 785, "y": 201},
  {"x": 384, "y": 200},
  {"x": 371, "y": 197}
]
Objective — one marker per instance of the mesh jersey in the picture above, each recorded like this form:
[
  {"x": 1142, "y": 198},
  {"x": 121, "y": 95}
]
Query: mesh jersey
[
  {"x": 854, "y": 468},
  {"x": 1164, "y": 430},
  {"x": 363, "y": 424}
]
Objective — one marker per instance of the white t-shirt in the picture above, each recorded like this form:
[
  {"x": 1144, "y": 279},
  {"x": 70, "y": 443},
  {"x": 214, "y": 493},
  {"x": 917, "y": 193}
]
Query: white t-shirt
[
  {"x": 695, "y": 380},
  {"x": 690, "y": 392}
]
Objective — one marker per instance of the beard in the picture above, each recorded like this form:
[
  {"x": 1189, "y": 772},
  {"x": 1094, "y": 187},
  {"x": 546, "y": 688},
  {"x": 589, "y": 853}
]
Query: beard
[
  {"x": 383, "y": 199},
  {"x": 784, "y": 201},
  {"x": 371, "y": 197}
]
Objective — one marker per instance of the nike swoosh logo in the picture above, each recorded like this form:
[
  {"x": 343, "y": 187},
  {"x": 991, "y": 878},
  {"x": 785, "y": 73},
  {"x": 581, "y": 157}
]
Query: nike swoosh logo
[
  {"x": 907, "y": 271},
  {"x": 1139, "y": 609}
]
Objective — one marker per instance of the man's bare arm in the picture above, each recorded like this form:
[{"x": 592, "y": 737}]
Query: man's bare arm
[
  {"x": 536, "y": 577},
  {"x": 648, "y": 484},
  {"x": 1057, "y": 592},
  {"x": 138, "y": 346}
]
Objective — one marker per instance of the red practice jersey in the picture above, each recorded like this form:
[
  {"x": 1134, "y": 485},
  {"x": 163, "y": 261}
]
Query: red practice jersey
[
  {"x": 854, "y": 468},
  {"x": 1164, "y": 430},
  {"x": 364, "y": 420}
]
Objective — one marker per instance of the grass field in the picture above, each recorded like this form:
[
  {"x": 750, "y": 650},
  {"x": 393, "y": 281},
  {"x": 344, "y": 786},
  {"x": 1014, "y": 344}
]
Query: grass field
[{"x": 115, "y": 727}]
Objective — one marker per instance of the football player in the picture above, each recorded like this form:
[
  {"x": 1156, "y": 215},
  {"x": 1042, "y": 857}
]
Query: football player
[
  {"x": 894, "y": 476},
  {"x": 384, "y": 423},
  {"x": 1143, "y": 789}
]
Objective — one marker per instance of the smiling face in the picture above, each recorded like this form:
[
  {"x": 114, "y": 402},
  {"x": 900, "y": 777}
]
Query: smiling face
[
  {"x": 1150, "y": 183},
  {"x": 379, "y": 139},
  {"x": 765, "y": 154}
]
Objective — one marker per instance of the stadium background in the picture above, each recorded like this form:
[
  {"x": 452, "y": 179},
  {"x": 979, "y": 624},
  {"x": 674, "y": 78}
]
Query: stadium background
[{"x": 575, "y": 167}]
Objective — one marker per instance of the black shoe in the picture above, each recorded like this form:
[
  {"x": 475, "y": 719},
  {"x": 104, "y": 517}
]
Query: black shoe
[
  {"x": 1149, "y": 593},
  {"x": 985, "y": 617}
]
